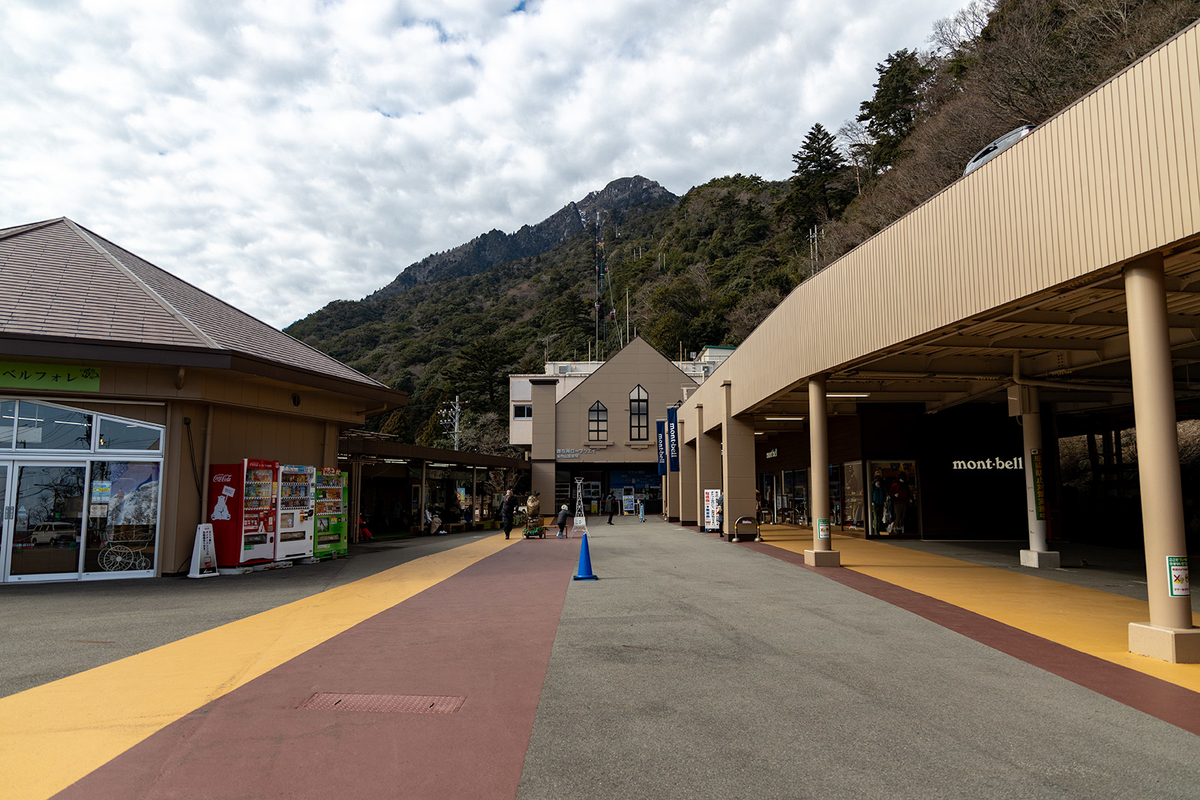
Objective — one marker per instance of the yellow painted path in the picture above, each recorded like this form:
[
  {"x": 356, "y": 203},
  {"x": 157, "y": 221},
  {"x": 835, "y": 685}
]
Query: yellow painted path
[
  {"x": 96, "y": 715},
  {"x": 1083, "y": 619}
]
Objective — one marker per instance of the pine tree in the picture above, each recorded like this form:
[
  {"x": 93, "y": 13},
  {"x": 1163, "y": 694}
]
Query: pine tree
[
  {"x": 819, "y": 182},
  {"x": 892, "y": 113}
]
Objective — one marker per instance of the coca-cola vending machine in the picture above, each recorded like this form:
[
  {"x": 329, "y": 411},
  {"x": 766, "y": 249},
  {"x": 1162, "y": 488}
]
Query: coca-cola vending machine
[{"x": 243, "y": 511}]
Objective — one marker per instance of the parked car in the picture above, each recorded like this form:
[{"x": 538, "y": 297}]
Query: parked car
[
  {"x": 997, "y": 147},
  {"x": 51, "y": 532}
]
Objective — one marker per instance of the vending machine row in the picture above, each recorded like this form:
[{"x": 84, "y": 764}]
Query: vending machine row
[{"x": 262, "y": 512}]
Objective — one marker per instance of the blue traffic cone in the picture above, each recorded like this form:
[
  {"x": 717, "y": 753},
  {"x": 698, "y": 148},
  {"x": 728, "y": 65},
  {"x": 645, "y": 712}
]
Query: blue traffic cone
[{"x": 584, "y": 571}]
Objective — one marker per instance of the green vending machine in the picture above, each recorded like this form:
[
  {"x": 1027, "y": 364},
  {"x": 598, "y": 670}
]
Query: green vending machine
[{"x": 332, "y": 524}]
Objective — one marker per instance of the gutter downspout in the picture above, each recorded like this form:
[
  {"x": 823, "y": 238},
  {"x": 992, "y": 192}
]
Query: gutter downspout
[{"x": 207, "y": 464}]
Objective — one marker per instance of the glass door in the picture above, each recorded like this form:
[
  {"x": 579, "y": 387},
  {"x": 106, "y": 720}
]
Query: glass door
[
  {"x": 43, "y": 519},
  {"x": 852, "y": 490}
]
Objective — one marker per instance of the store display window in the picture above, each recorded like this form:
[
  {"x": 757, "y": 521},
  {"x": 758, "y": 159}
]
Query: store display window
[
  {"x": 122, "y": 523},
  {"x": 893, "y": 498}
]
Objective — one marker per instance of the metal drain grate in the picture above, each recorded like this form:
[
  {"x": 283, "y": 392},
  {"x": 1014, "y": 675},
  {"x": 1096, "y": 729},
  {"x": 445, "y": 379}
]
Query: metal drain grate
[{"x": 383, "y": 703}]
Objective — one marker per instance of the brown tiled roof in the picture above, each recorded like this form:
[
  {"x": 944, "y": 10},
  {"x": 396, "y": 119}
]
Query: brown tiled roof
[{"x": 60, "y": 279}]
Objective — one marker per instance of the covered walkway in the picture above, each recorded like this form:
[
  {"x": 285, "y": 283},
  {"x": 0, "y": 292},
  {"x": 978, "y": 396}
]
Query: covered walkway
[{"x": 1055, "y": 289}]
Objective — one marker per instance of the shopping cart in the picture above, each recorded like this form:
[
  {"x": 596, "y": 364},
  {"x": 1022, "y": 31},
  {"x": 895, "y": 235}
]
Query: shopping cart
[{"x": 534, "y": 529}]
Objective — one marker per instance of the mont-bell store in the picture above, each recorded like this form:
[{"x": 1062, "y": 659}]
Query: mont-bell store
[{"x": 897, "y": 472}]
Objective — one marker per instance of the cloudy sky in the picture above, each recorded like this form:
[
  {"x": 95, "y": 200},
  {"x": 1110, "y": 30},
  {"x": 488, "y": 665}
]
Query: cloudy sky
[{"x": 281, "y": 155}]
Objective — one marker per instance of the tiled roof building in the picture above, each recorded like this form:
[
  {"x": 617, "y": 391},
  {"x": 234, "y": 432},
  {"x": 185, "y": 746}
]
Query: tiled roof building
[{"x": 122, "y": 387}]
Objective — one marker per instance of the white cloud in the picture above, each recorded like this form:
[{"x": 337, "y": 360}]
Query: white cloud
[{"x": 282, "y": 155}]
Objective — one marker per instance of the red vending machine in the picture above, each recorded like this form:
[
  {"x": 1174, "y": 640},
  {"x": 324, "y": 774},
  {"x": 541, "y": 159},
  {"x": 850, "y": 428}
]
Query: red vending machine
[{"x": 242, "y": 509}]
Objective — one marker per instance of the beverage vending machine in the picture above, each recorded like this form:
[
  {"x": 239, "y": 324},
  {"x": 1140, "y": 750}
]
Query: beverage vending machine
[
  {"x": 295, "y": 537},
  {"x": 332, "y": 522},
  {"x": 242, "y": 510}
]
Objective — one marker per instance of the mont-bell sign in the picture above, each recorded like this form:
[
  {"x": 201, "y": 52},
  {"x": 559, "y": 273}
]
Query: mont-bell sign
[{"x": 990, "y": 463}]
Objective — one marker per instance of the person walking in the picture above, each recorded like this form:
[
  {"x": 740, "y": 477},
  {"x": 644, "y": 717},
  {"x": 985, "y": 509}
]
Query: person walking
[
  {"x": 561, "y": 519},
  {"x": 508, "y": 508},
  {"x": 610, "y": 506}
]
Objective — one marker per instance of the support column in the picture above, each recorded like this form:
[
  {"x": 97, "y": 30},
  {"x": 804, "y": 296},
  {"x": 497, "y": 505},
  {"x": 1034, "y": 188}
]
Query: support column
[
  {"x": 673, "y": 496},
  {"x": 1039, "y": 555},
  {"x": 475, "y": 504},
  {"x": 543, "y": 456},
  {"x": 737, "y": 465},
  {"x": 708, "y": 463},
  {"x": 424, "y": 493},
  {"x": 1169, "y": 635},
  {"x": 687, "y": 480},
  {"x": 822, "y": 553}
]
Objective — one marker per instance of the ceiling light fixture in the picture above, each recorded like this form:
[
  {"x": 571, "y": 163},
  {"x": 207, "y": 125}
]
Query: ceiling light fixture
[
  {"x": 848, "y": 394},
  {"x": 783, "y": 419}
]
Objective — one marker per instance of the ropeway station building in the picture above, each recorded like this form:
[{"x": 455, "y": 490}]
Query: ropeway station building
[{"x": 1055, "y": 290}]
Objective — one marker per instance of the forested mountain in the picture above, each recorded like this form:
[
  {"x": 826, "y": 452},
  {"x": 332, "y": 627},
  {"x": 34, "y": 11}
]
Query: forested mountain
[{"x": 708, "y": 267}]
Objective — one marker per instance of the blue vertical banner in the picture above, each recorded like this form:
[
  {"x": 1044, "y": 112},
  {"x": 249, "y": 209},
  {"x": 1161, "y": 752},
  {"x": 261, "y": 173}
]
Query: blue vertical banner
[
  {"x": 672, "y": 440},
  {"x": 661, "y": 427}
]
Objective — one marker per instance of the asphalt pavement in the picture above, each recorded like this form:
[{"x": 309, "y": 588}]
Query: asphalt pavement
[{"x": 693, "y": 668}]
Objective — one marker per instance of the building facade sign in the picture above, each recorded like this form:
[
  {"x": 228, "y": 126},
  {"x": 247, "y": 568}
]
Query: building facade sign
[
  {"x": 990, "y": 463},
  {"x": 573, "y": 452},
  {"x": 672, "y": 441},
  {"x": 43, "y": 377},
  {"x": 661, "y": 427}
]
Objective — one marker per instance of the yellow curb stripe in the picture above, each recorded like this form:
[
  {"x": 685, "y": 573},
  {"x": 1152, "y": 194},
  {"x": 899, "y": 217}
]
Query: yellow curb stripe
[
  {"x": 1088, "y": 620},
  {"x": 53, "y": 735}
]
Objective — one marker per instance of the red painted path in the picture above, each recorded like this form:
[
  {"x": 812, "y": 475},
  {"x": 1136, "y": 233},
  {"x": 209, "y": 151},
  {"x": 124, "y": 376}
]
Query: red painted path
[{"x": 484, "y": 634}]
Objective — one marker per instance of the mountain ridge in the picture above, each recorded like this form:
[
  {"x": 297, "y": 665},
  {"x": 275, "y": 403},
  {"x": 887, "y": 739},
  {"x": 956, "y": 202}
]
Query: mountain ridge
[{"x": 496, "y": 247}]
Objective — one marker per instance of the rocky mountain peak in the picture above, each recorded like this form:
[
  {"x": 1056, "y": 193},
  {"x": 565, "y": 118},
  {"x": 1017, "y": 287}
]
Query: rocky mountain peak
[{"x": 496, "y": 247}]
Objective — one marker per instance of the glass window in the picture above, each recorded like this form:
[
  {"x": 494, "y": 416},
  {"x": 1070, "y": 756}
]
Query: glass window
[
  {"x": 597, "y": 422},
  {"x": 121, "y": 435},
  {"x": 7, "y": 409},
  {"x": 48, "y": 514},
  {"x": 122, "y": 522},
  {"x": 522, "y": 412},
  {"x": 639, "y": 415},
  {"x": 41, "y": 427}
]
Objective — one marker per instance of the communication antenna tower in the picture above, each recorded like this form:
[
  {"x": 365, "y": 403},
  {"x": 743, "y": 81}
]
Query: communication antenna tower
[{"x": 579, "y": 524}]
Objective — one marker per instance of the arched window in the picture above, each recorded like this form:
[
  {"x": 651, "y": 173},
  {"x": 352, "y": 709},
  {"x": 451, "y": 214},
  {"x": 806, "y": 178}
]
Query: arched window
[
  {"x": 597, "y": 422},
  {"x": 639, "y": 415}
]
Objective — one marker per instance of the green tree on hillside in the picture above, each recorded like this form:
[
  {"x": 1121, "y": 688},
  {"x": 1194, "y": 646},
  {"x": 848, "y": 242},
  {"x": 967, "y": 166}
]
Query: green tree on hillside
[
  {"x": 820, "y": 190},
  {"x": 479, "y": 375},
  {"x": 891, "y": 114}
]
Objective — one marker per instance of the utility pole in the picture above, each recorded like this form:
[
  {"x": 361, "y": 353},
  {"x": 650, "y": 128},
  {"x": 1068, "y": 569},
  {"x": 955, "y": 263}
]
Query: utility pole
[
  {"x": 546, "y": 341},
  {"x": 451, "y": 419}
]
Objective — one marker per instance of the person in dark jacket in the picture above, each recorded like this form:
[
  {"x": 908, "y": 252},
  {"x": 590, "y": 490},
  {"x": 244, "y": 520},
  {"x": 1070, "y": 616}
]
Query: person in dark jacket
[
  {"x": 899, "y": 492},
  {"x": 561, "y": 519},
  {"x": 610, "y": 506},
  {"x": 508, "y": 508}
]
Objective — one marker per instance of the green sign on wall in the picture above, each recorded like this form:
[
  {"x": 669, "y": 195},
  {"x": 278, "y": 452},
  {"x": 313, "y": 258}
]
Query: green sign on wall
[
  {"x": 43, "y": 377},
  {"x": 1039, "y": 484}
]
